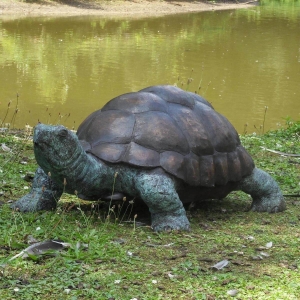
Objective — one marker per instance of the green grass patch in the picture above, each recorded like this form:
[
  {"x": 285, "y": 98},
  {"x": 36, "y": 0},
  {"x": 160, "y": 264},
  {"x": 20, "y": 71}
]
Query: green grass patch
[{"x": 121, "y": 260}]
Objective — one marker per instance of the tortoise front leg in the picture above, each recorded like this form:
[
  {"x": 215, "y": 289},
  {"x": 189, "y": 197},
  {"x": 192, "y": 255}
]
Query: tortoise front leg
[
  {"x": 159, "y": 193},
  {"x": 44, "y": 194},
  {"x": 264, "y": 190}
]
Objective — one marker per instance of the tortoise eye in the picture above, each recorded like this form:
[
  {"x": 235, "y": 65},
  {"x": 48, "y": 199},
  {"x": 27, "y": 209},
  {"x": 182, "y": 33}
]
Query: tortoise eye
[{"x": 63, "y": 132}]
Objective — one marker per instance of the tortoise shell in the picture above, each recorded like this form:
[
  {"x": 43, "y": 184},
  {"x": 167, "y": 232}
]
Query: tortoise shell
[{"x": 164, "y": 126}]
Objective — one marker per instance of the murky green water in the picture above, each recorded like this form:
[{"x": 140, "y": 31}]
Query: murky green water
[{"x": 244, "y": 60}]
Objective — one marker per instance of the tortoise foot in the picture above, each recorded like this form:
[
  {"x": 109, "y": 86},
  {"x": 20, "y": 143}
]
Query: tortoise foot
[
  {"x": 34, "y": 201},
  {"x": 265, "y": 192},
  {"x": 272, "y": 204},
  {"x": 170, "y": 221},
  {"x": 44, "y": 195}
]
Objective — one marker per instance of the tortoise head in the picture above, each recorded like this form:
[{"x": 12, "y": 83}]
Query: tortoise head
[{"x": 55, "y": 147}]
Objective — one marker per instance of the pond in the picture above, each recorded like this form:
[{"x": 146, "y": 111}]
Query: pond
[{"x": 245, "y": 62}]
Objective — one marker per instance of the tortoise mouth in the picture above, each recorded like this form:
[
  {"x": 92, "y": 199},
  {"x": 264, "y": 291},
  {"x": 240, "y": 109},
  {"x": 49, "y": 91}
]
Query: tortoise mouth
[
  {"x": 40, "y": 144},
  {"x": 38, "y": 134}
]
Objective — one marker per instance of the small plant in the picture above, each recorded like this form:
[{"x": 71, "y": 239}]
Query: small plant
[
  {"x": 264, "y": 119},
  {"x": 189, "y": 80}
]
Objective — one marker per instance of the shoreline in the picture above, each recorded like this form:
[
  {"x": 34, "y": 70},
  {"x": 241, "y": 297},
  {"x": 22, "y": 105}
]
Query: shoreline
[{"x": 116, "y": 8}]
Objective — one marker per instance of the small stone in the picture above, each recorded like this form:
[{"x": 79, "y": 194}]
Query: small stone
[
  {"x": 170, "y": 275},
  {"x": 232, "y": 293},
  {"x": 225, "y": 282},
  {"x": 266, "y": 222},
  {"x": 257, "y": 257},
  {"x": 269, "y": 245},
  {"x": 157, "y": 273},
  {"x": 206, "y": 259},
  {"x": 119, "y": 241},
  {"x": 237, "y": 262}
]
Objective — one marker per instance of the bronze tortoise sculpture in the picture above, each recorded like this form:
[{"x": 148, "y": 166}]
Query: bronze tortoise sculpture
[{"x": 167, "y": 146}]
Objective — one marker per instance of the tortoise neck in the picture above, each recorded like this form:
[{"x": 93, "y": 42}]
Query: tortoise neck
[{"x": 86, "y": 173}]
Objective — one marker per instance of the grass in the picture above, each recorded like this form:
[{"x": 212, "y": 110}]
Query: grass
[{"x": 127, "y": 261}]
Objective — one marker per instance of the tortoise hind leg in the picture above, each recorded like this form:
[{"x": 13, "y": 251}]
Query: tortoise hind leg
[
  {"x": 265, "y": 192},
  {"x": 159, "y": 193},
  {"x": 44, "y": 194}
]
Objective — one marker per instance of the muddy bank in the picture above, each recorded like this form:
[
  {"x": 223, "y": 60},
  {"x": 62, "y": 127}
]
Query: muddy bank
[{"x": 115, "y": 8}]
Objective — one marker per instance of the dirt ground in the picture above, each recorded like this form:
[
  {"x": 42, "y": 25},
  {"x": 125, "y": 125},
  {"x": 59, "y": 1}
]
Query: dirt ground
[{"x": 133, "y": 8}]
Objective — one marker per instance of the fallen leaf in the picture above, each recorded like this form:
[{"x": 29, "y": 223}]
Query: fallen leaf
[
  {"x": 260, "y": 248},
  {"x": 5, "y": 148},
  {"x": 36, "y": 249},
  {"x": 257, "y": 257},
  {"x": 220, "y": 265}
]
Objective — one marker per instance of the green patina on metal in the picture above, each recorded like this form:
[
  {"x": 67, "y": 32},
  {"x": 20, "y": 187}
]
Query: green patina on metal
[{"x": 162, "y": 145}]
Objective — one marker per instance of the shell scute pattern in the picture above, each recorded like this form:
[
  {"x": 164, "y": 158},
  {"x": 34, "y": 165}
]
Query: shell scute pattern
[
  {"x": 164, "y": 126},
  {"x": 137, "y": 103},
  {"x": 159, "y": 131}
]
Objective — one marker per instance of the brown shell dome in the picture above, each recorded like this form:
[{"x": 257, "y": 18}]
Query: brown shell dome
[{"x": 164, "y": 126}]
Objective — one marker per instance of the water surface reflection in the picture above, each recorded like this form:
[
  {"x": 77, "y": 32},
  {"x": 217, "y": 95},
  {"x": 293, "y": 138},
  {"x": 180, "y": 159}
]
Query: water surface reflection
[{"x": 243, "y": 60}]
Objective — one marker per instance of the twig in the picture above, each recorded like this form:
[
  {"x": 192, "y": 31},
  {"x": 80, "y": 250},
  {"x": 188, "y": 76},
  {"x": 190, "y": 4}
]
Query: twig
[
  {"x": 250, "y": 1},
  {"x": 281, "y": 153}
]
